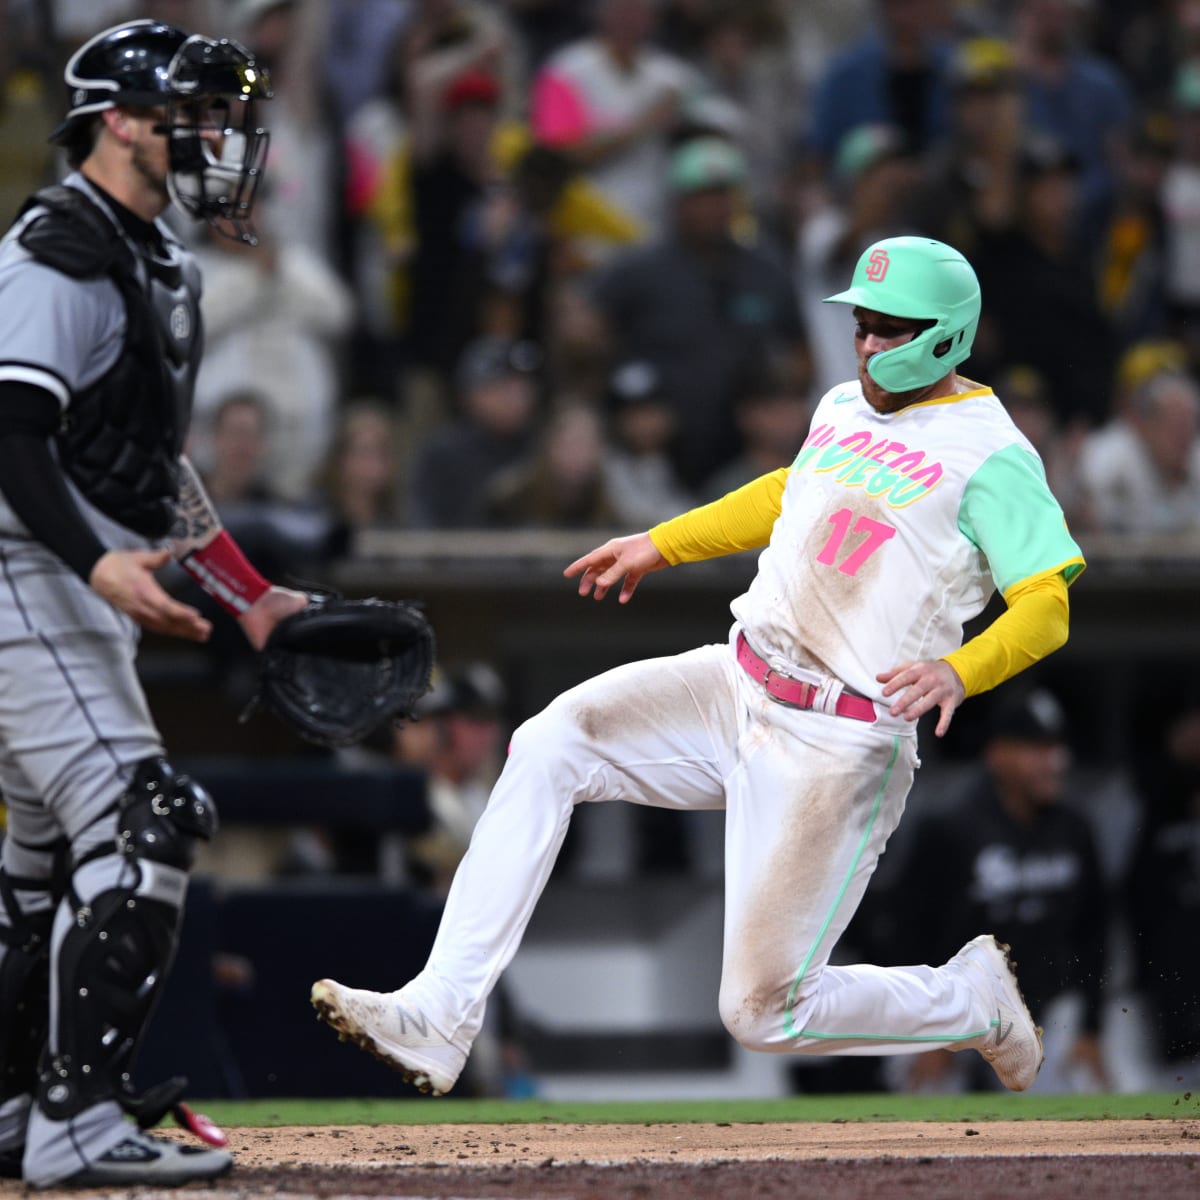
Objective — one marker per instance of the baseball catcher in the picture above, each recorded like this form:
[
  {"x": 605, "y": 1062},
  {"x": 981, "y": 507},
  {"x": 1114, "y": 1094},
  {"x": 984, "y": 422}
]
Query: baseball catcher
[{"x": 100, "y": 342}]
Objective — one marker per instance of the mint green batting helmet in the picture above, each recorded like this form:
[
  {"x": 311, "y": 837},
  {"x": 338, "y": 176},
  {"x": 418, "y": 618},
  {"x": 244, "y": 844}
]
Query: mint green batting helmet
[{"x": 919, "y": 279}]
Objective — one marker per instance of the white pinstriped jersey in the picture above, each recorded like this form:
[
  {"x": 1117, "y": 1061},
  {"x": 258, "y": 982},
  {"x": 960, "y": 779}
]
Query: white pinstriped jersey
[{"x": 895, "y": 529}]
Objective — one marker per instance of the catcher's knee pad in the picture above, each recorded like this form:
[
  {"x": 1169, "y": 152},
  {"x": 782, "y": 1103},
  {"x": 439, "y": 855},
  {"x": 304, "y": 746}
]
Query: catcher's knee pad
[
  {"x": 163, "y": 814},
  {"x": 24, "y": 984},
  {"x": 127, "y": 903}
]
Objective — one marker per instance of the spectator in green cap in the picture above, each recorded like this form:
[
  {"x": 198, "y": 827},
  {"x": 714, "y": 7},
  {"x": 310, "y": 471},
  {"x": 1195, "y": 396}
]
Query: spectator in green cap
[
  {"x": 873, "y": 179},
  {"x": 706, "y": 162},
  {"x": 702, "y": 304}
]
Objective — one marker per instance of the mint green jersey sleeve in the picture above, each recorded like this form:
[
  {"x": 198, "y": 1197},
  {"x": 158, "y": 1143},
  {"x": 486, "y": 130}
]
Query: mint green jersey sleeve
[{"x": 1009, "y": 512}]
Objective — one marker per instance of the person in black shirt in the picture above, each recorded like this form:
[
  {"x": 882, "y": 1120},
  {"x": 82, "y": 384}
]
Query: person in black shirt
[
  {"x": 1163, "y": 887},
  {"x": 1037, "y": 272},
  {"x": 705, "y": 309}
]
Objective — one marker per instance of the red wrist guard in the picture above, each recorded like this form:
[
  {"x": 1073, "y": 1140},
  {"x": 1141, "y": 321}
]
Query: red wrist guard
[{"x": 224, "y": 572}]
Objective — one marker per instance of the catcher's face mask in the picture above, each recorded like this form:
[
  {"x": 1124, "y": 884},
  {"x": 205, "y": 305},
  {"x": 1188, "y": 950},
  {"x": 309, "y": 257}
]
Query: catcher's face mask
[{"x": 216, "y": 150}]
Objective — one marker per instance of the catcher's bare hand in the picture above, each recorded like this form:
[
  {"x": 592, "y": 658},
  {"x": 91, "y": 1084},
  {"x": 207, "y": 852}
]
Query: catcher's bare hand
[
  {"x": 125, "y": 578},
  {"x": 921, "y": 687},
  {"x": 267, "y": 611},
  {"x": 624, "y": 557}
]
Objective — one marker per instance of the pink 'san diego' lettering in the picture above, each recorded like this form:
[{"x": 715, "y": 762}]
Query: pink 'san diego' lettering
[{"x": 891, "y": 470}]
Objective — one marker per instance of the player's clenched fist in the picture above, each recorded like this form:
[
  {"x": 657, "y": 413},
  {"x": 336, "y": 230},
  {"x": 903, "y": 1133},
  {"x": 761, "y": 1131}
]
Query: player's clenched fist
[{"x": 624, "y": 557}]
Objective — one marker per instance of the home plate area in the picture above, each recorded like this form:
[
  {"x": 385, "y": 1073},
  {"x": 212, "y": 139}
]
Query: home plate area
[{"x": 1117, "y": 1159}]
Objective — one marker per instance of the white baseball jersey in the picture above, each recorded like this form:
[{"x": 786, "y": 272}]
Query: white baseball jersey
[{"x": 895, "y": 529}]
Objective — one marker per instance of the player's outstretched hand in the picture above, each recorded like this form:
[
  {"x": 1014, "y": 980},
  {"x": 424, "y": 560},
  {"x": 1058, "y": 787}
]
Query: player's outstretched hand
[
  {"x": 125, "y": 578},
  {"x": 922, "y": 686},
  {"x": 267, "y": 611},
  {"x": 625, "y": 557}
]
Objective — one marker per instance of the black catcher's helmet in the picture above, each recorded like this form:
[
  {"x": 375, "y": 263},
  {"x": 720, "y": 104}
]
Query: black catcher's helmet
[{"x": 207, "y": 88}]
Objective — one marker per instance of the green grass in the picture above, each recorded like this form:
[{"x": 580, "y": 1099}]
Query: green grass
[{"x": 880, "y": 1107}]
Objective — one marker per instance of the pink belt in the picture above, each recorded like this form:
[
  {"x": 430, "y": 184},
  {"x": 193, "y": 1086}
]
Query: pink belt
[{"x": 794, "y": 691}]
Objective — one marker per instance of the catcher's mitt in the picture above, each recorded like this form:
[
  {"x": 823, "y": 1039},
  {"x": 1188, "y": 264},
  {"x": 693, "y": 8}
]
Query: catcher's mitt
[{"x": 340, "y": 668}]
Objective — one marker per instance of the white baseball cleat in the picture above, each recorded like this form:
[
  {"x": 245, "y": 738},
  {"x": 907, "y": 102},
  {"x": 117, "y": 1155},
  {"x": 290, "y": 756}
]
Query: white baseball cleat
[
  {"x": 394, "y": 1030},
  {"x": 1013, "y": 1044}
]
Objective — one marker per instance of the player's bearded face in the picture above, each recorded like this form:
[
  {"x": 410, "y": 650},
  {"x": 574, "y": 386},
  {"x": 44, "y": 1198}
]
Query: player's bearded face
[{"x": 873, "y": 334}]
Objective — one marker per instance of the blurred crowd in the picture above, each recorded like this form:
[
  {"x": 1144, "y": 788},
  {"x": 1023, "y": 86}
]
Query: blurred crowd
[
  {"x": 559, "y": 264},
  {"x": 549, "y": 263}
]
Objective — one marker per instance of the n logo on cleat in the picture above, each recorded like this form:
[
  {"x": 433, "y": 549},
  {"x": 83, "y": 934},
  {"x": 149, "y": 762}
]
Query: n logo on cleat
[{"x": 418, "y": 1021}]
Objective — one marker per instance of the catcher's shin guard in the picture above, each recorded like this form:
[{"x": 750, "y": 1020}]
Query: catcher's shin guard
[
  {"x": 126, "y": 904},
  {"x": 24, "y": 985}
]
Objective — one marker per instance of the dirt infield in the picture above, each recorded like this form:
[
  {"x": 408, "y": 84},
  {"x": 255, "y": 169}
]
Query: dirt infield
[
  {"x": 1034, "y": 1160},
  {"x": 514, "y": 1145}
]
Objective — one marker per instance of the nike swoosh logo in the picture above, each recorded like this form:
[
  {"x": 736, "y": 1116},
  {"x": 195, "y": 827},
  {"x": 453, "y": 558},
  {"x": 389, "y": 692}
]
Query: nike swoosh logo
[
  {"x": 1005, "y": 1030},
  {"x": 844, "y": 398}
]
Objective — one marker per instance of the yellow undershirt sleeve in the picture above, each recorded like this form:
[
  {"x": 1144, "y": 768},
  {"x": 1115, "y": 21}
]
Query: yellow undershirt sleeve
[
  {"x": 1034, "y": 625},
  {"x": 739, "y": 520}
]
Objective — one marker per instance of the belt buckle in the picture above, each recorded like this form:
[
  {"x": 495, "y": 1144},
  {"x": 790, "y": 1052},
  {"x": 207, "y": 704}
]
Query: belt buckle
[{"x": 808, "y": 692}]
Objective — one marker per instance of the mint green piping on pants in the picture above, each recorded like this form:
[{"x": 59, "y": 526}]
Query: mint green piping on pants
[{"x": 789, "y": 1024}]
